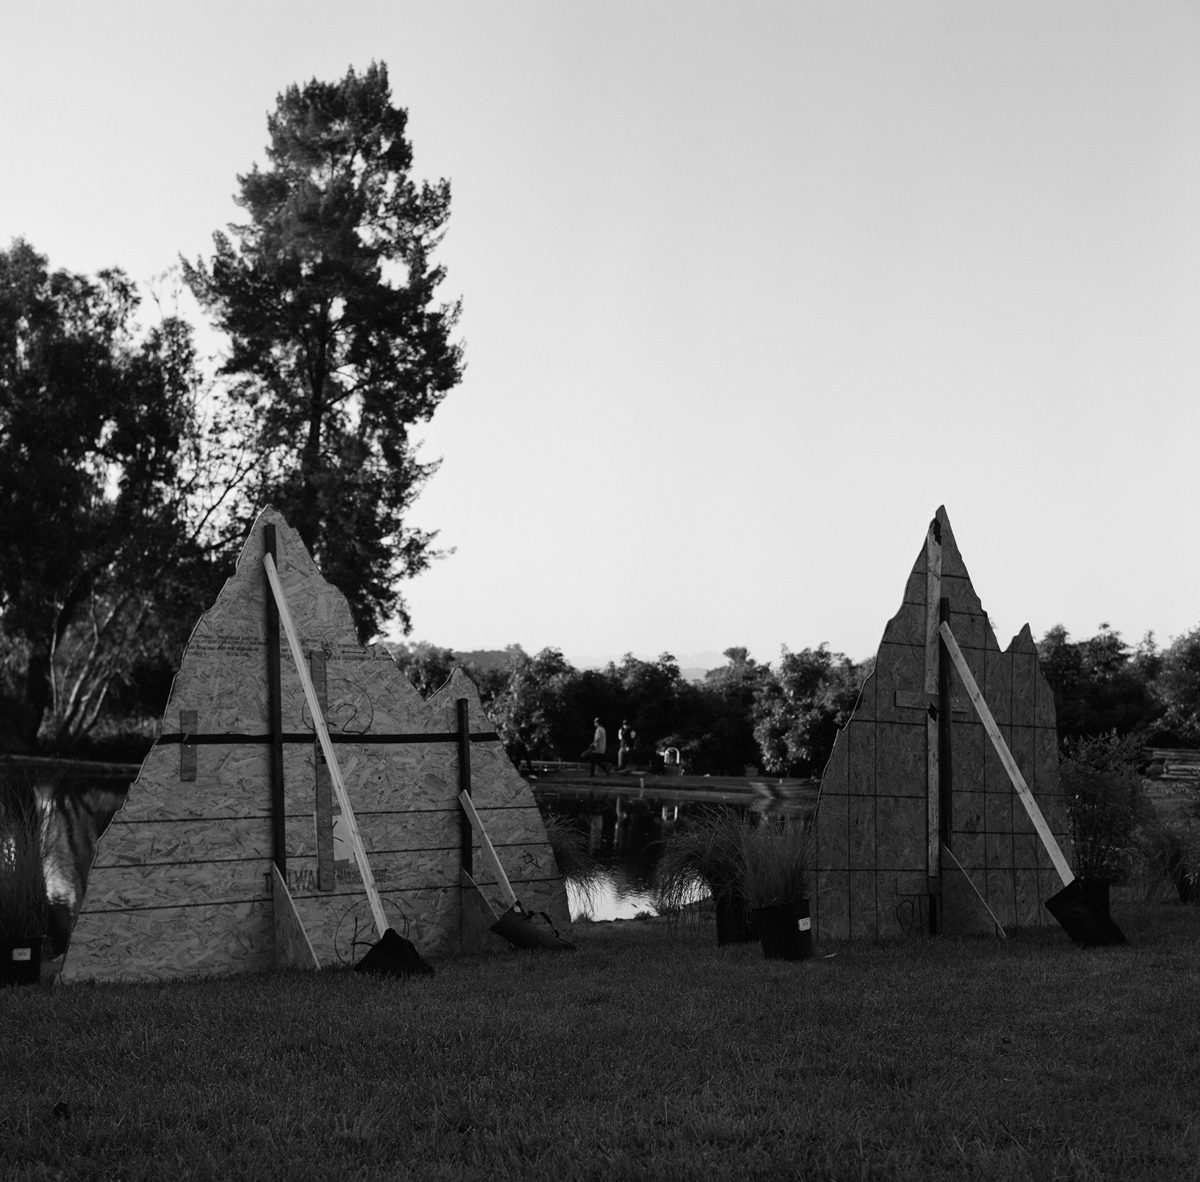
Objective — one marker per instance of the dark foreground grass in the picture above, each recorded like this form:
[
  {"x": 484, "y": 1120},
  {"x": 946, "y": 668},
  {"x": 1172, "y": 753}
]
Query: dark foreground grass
[{"x": 647, "y": 1054}]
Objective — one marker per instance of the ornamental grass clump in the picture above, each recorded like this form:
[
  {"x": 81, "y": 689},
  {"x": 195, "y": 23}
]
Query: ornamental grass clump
[
  {"x": 702, "y": 855},
  {"x": 1105, "y": 804},
  {"x": 576, "y": 865},
  {"x": 24, "y": 908},
  {"x": 775, "y": 857}
]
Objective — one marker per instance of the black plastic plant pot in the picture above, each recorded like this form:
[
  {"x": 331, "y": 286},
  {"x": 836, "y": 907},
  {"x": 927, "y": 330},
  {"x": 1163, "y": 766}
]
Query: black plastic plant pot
[
  {"x": 20, "y": 960},
  {"x": 1084, "y": 919},
  {"x": 733, "y": 921},
  {"x": 784, "y": 930},
  {"x": 517, "y": 926}
]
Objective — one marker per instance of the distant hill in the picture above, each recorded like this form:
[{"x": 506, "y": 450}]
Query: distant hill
[
  {"x": 484, "y": 658},
  {"x": 692, "y": 666}
]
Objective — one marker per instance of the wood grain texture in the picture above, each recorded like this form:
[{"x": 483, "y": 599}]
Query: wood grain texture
[
  {"x": 167, "y": 942},
  {"x": 183, "y": 855}
]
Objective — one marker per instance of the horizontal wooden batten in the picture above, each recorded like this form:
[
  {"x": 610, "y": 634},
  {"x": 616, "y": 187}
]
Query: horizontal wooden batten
[
  {"x": 921, "y": 700},
  {"x": 233, "y": 740},
  {"x": 167, "y": 843}
]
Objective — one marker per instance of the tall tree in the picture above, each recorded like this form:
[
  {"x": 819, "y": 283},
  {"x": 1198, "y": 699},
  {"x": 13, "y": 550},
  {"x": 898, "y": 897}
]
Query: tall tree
[
  {"x": 729, "y": 693},
  {"x": 98, "y": 446},
  {"x": 327, "y": 295}
]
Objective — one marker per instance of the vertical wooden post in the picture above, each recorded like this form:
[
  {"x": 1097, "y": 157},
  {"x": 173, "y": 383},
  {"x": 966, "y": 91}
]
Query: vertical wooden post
[
  {"x": 323, "y": 798},
  {"x": 189, "y": 724},
  {"x": 464, "y": 782},
  {"x": 945, "y": 746},
  {"x": 933, "y": 842},
  {"x": 275, "y": 710}
]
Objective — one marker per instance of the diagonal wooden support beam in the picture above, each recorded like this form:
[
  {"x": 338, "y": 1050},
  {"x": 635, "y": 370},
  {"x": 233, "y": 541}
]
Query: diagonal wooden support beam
[
  {"x": 335, "y": 773},
  {"x": 489, "y": 851},
  {"x": 1010, "y": 764}
]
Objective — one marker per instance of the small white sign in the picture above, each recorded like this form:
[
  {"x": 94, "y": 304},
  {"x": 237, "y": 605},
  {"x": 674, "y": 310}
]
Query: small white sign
[
  {"x": 805, "y": 924},
  {"x": 22, "y": 954}
]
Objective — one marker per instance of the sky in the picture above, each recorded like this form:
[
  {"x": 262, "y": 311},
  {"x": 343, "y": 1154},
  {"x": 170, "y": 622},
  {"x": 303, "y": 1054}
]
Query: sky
[{"x": 749, "y": 290}]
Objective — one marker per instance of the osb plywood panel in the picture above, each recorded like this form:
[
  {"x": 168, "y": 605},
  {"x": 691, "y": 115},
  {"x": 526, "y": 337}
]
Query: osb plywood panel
[
  {"x": 188, "y": 941},
  {"x": 871, "y": 824},
  {"x": 182, "y": 883}
]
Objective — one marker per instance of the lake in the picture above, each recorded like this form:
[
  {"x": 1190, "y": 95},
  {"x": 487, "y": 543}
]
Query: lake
[{"x": 624, "y": 834}]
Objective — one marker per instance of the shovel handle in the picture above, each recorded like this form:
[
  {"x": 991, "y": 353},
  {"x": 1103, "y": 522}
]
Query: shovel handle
[
  {"x": 1006, "y": 757},
  {"x": 489, "y": 850},
  {"x": 335, "y": 772}
]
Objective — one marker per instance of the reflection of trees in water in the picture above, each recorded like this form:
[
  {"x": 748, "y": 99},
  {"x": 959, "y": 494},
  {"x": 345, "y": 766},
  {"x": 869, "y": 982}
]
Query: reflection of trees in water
[{"x": 625, "y": 837}]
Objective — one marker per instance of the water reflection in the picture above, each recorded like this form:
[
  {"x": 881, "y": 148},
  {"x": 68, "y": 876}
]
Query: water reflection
[
  {"x": 624, "y": 836},
  {"x": 614, "y": 896}
]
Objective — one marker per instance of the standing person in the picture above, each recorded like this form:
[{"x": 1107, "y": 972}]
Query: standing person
[
  {"x": 519, "y": 753},
  {"x": 626, "y": 737},
  {"x": 597, "y": 752}
]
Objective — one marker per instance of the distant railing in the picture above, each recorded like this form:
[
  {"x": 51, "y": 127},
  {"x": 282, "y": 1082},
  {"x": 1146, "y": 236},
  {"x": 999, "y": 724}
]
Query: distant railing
[{"x": 1170, "y": 763}]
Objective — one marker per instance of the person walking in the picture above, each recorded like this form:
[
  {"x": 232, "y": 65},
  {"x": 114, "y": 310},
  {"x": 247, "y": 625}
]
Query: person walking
[
  {"x": 626, "y": 737},
  {"x": 597, "y": 753}
]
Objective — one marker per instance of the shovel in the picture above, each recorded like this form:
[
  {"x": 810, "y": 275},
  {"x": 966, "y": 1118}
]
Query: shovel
[
  {"x": 516, "y": 924},
  {"x": 393, "y": 955},
  {"x": 1086, "y": 924}
]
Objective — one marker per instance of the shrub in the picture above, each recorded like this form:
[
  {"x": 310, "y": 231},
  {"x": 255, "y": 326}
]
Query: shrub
[
  {"x": 1105, "y": 804},
  {"x": 1168, "y": 859}
]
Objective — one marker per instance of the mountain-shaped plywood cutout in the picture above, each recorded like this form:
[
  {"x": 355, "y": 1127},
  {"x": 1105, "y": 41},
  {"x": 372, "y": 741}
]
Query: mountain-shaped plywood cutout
[
  {"x": 885, "y": 809},
  {"x": 182, "y": 883}
]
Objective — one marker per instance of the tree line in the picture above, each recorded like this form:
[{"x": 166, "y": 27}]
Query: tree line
[
  {"x": 744, "y": 715},
  {"x": 781, "y": 719}
]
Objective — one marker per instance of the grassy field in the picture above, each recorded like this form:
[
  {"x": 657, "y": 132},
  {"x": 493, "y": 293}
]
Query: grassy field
[{"x": 649, "y": 1053}]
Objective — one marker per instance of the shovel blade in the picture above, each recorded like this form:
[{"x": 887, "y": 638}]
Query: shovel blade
[
  {"x": 1084, "y": 920},
  {"x": 517, "y": 927},
  {"x": 394, "y": 956}
]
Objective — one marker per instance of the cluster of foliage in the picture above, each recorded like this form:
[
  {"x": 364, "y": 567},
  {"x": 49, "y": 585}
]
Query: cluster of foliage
[
  {"x": 743, "y": 715},
  {"x": 1102, "y": 685},
  {"x": 105, "y": 493},
  {"x": 128, "y": 477},
  {"x": 1103, "y": 787},
  {"x": 782, "y": 719}
]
